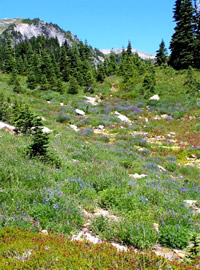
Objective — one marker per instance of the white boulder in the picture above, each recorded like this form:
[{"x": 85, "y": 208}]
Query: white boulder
[
  {"x": 101, "y": 127},
  {"x": 46, "y": 130},
  {"x": 123, "y": 118},
  {"x": 8, "y": 127},
  {"x": 75, "y": 128},
  {"x": 91, "y": 100},
  {"x": 137, "y": 176},
  {"x": 155, "y": 97},
  {"x": 80, "y": 112}
]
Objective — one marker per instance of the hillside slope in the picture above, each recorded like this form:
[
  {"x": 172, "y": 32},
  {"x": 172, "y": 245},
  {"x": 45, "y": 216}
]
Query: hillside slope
[{"x": 24, "y": 29}]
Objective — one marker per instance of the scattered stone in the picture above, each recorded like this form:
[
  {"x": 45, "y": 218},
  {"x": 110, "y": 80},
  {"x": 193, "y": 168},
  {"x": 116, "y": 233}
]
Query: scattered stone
[
  {"x": 91, "y": 100},
  {"x": 44, "y": 232},
  {"x": 155, "y": 97},
  {"x": 86, "y": 225},
  {"x": 46, "y": 130},
  {"x": 123, "y": 117},
  {"x": 75, "y": 128},
  {"x": 181, "y": 253},
  {"x": 49, "y": 102},
  {"x": 80, "y": 112},
  {"x": 164, "y": 116},
  {"x": 86, "y": 214},
  {"x": 190, "y": 202},
  {"x": 86, "y": 236},
  {"x": 105, "y": 213},
  {"x": 9, "y": 128},
  {"x": 156, "y": 227},
  {"x": 119, "y": 247},
  {"x": 75, "y": 161},
  {"x": 25, "y": 256},
  {"x": 165, "y": 252},
  {"x": 171, "y": 135},
  {"x": 85, "y": 230},
  {"x": 157, "y": 117},
  {"x": 161, "y": 168},
  {"x": 101, "y": 127},
  {"x": 192, "y": 156},
  {"x": 137, "y": 176},
  {"x": 136, "y": 133}
]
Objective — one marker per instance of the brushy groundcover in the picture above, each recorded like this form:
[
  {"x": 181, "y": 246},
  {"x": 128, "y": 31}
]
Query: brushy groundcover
[{"x": 21, "y": 249}]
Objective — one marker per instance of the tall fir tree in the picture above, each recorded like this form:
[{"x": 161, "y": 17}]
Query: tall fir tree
[
  {"x": 129, "y": 48},
  {"x": 161, "y": 54},
  {"x": 73, "y": 86},
  {"x": 197, "y": 34},
  {"x": 9, "y": 63},
  {"x": 183, "y": 42},
  {"x": 112, "y": 64}
]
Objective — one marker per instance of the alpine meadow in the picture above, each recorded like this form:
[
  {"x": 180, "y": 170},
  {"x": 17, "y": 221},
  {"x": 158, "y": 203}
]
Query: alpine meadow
[{"x": 100, "y": 149}]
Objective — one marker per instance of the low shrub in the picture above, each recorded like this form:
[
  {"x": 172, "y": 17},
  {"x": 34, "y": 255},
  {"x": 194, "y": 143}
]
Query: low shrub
[
  {"x": 24, "y": 250},
  {"x": 174, "y": 236}
]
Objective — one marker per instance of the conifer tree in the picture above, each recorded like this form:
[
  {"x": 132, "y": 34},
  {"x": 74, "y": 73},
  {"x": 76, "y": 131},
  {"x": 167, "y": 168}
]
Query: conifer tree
[
  {"x": 59, "y": 86},
  {"x": 31, "y": 80},
  {"x": 183, "y": 43},
  {"x": 64, "y": 64},
  {"x": 13, "y": 77},
  {"x": 101, "y": 75},
  {"x": 9, "y": 62},
  {"x": 129, "y": 49},
  {"x": 40, "y": 141},
  {"x": 17, "y": 86},
  {"x": 197, "y": 35},
  {"x": 161, "y": 56},
  {"x": 73, "y": 86},
  {"x": 149, "y": 83},
  {"x": 44, "y": 83},
  {"x": 112, "y": 64},
  {"x": 20, "y": 66}
]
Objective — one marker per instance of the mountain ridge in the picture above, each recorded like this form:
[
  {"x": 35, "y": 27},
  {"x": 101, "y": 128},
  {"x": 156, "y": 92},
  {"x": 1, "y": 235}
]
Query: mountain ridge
[
  {"x": 25, "y": 29},
  {"x": 141, "y": 54}
]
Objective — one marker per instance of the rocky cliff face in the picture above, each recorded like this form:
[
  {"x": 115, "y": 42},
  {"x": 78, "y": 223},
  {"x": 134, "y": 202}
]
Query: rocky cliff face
[{"x": 26, "y": 29}]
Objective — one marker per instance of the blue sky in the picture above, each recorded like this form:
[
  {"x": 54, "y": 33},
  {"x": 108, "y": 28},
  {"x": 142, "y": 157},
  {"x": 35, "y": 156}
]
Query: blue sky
[{"x": 106, "y": 24}]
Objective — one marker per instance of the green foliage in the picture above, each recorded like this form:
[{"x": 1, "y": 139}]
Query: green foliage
[
  {"x": 149, "y": 84},
  {"x": 140, "y": 235},
  {"x": 175, "y": 236},
  {"x": 183, "y": 40},
  {"x": 193, "y": 86},
  {"x": 23, "y": 250},
  {"x": 23, "y": 119},
  {"x": 31, "y": 81},
  {"x": 40, "y": 142},
  {"x": 39, "y": 146},
  {"x": 73, "y": 86},
  {"x": 194, "y": 249}
]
